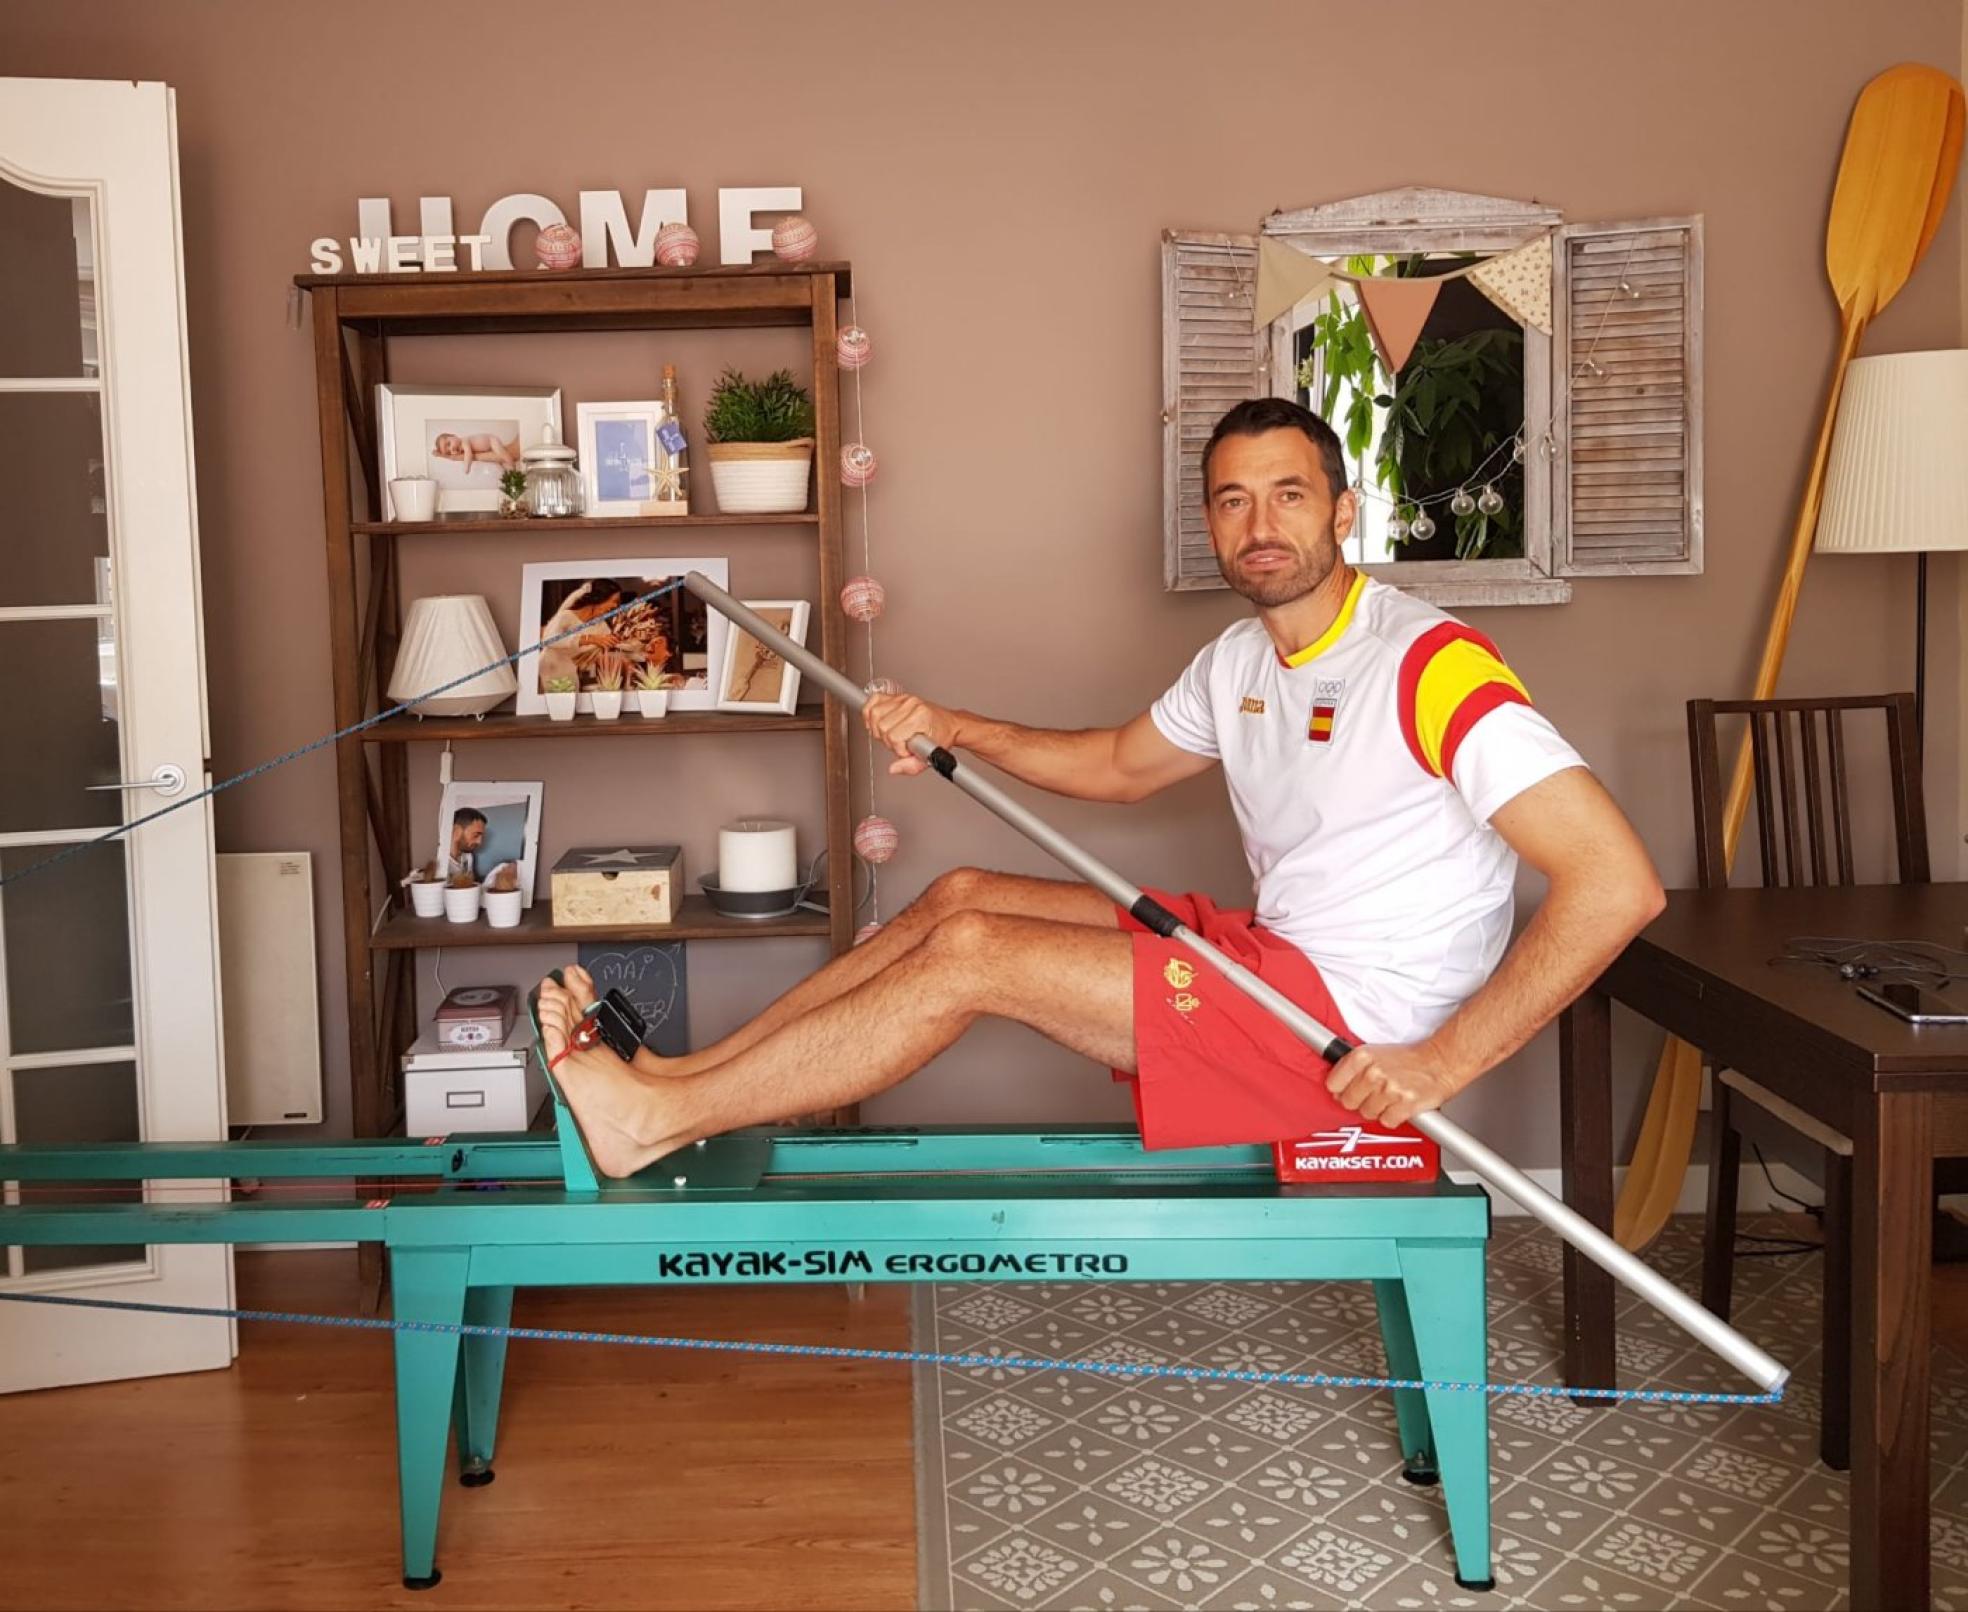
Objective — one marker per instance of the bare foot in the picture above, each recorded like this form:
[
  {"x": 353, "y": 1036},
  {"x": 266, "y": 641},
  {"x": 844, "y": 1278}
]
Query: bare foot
[
  {"x": 609, "y": 1102},
  {"x": 580, "y": 988}
]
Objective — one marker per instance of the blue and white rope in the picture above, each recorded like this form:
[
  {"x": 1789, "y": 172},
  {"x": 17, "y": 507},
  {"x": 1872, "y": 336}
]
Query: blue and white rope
[
  {"x": 339, "y": 734},
  {"x": 911, "y": 1357}
]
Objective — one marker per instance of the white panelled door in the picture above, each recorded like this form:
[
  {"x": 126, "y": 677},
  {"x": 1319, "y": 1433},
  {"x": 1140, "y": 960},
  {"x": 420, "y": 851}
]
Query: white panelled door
[{"x": 109, "y": 1005}]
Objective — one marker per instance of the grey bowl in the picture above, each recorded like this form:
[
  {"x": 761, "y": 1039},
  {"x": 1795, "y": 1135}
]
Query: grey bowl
[{"x": 750, "y": 903}]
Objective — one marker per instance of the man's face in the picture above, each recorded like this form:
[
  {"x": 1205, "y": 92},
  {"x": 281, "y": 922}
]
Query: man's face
[
  {"x": 1274, "y": 522},
  {"x": 470, "y": 836}
]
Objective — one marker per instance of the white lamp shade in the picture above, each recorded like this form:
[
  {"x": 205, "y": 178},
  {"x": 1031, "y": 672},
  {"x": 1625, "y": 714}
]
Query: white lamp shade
[
  {"x": 1897, "y": 481},
  {"x": 444, "y": 637}
]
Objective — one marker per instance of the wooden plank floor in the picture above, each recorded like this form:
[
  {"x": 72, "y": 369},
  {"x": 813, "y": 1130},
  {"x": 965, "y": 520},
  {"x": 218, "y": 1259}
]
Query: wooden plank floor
[{"x": 626, "y": 1477}]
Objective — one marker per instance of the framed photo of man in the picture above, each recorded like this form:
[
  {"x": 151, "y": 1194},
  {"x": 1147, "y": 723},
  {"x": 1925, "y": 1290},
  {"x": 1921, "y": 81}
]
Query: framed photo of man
[{"x": 482, "y": 824}]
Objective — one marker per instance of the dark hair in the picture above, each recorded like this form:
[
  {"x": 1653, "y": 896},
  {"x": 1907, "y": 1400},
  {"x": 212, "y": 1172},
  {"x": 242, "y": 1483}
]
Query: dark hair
[
  {"x": 1254, "y": 416},
  {"x": 465, "y": 816}
]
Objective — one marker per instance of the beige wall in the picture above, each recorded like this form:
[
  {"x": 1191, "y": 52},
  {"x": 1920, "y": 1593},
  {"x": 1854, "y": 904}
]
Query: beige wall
[{"x": 999, "y": 176}]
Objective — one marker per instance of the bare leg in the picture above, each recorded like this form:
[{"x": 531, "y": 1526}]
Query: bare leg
[
  {"x": 960, "y": 890},
  {"x": 1071, "y": 982}
]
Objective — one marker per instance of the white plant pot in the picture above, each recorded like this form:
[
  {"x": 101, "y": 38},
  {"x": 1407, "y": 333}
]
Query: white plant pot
[
  {"x": 761, "y": 478},
  {"x": 653, "y": 701},
  {"x": 427, "y": 897},
  {"x": 502, "y": 908},
  {"x": 607, "y": 704},
  {"x": 560, "y": 707},
  {"x": 461, "y": 906}
]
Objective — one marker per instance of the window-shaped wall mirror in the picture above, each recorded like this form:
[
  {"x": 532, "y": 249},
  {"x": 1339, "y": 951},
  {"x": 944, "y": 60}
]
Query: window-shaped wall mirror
[{"x": 1518, "y": 398}]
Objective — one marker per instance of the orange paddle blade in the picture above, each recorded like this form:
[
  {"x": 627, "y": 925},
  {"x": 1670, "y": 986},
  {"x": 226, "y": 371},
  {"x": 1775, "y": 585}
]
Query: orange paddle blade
[{"x": 1902, "y": 147}]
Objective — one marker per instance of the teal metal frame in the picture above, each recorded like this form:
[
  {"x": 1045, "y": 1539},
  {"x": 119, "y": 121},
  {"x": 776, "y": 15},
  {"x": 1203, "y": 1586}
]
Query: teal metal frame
[
  {"x": 493, "y": 1214},
  {"x": 936, "y": 1204}
]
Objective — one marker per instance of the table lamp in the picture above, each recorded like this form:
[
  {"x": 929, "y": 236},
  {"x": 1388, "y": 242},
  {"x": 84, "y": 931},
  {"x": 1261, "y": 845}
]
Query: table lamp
[
  {"x": 448, "y": 636},
  {"x": 1897, "y": 480}
]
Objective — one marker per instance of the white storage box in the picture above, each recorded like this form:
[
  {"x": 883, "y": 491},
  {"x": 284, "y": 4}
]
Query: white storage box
[{"x": 454, "y": 1091}]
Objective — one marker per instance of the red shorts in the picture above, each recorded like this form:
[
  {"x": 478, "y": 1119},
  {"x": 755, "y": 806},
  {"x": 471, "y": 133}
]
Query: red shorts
[{"x": 1214, "y": 1068}]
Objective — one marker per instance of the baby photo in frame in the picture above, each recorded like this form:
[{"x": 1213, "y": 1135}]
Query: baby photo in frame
[
  {"x": 464, "y": 438},
  {"x": 756, "y": 678}
]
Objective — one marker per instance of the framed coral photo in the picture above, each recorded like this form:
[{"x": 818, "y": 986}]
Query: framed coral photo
[{"x": 604, "y": 634}]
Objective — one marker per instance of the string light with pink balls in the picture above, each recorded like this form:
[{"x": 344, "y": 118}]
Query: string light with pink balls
[{"x": 862, "y": 598}]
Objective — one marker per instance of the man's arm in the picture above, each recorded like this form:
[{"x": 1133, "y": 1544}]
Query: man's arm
[
  {"x": 1113, "y": 764},
  {"x": 1603, "y": 891}
]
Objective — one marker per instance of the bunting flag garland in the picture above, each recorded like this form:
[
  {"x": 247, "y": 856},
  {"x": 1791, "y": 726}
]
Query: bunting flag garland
[
  {"x": 1285, "y": 278},
  {"x": 1396, "y": 310},
  {"x": 1519, "y": 283}
]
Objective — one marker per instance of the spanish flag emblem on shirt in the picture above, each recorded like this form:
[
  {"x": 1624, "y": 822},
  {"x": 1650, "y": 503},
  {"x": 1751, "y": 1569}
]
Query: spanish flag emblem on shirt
[{"x": 1319, "y": 728}]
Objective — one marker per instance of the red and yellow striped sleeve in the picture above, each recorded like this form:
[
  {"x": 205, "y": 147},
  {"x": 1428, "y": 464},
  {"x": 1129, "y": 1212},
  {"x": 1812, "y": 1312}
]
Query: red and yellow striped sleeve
[{"x": 1451, "y": 678}]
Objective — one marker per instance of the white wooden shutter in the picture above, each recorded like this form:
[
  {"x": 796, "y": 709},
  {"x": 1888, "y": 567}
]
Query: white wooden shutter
[
  {"x": 1627, "y": 376},
  {"x": 1211, "y": 358}
]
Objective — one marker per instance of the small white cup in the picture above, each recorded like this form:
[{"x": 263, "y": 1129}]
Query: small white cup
[
  {"x": 502, "y": 908},
  {"x": 414, "y": 498},
  {"x": 427, "y": 897},
  {"x": 461, "y": 904}
]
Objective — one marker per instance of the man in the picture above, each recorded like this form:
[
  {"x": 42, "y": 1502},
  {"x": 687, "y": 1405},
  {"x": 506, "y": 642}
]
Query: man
[
  {"x": 1387, "y": 771},
  {"x": 467, "y": 839}
]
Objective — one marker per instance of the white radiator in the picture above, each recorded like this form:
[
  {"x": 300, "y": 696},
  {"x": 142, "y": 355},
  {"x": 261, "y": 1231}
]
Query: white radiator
[{"x": 267, "y": 981}]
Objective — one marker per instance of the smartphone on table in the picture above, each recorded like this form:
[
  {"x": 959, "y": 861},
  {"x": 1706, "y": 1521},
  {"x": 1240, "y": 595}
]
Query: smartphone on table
[{"x": 1915, "y": 1003}]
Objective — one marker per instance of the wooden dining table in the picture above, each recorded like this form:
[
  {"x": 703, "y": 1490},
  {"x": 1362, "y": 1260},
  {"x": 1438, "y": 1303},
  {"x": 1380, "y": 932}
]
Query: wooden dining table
[{"x": 1705, "y": 970}]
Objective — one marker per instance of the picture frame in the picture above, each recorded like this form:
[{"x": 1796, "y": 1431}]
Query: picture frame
[
  {"x": 619, "y": 457},
  {"x": 556, "y": 595},
  {"x": 462, "y": 437},
  {"x": 507, "y": 828},
  {"x": 754, "y": 678}
]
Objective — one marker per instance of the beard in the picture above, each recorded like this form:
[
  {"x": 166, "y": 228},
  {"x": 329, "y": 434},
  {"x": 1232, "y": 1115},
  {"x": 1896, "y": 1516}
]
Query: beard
[{"x": 1270, "y": 589}]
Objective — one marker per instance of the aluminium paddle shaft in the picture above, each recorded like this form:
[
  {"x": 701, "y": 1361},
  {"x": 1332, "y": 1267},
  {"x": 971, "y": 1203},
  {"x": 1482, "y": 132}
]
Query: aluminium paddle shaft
[{"x": 1498, "y": 1172}]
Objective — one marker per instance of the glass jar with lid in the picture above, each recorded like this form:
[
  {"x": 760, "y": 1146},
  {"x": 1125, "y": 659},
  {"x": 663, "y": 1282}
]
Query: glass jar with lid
[{"x": 553, "y": 481}]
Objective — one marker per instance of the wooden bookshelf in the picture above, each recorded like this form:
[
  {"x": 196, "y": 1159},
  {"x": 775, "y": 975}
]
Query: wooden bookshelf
[
  {"x": 479, "y": 525},
  {"x": 410, "y": 729},
  {"x": 696, "y": 920},
  {"x": 355, "y": 319}
]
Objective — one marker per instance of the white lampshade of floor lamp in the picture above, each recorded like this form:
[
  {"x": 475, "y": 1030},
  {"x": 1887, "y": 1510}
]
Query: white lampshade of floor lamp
[
  {"x": 444, "y": 637},
  {"x": 1897, "y": 479}
]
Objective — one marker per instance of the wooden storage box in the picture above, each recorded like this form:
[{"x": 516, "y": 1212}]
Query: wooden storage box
[{"x": 623, "y": 885}]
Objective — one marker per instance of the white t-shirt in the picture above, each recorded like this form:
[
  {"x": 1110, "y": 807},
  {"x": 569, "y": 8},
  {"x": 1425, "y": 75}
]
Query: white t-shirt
[{"x": 1364, "y": 770}]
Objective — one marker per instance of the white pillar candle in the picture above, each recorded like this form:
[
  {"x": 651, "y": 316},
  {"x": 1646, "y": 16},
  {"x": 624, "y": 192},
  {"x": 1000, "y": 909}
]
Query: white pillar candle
[{"x": 757, "y": 853}]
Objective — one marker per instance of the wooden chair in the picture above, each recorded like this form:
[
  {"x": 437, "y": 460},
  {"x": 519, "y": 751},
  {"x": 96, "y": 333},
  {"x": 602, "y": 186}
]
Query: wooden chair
[{"x": 1804, "y": 834}]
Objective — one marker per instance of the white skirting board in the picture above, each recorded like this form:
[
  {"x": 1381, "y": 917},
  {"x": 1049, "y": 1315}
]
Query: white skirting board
[{"x": 1753, "y": 1197}]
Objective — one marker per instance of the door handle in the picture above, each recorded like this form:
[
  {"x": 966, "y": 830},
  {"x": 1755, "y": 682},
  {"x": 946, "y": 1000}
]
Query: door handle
[{"x": 168, "y": 779}]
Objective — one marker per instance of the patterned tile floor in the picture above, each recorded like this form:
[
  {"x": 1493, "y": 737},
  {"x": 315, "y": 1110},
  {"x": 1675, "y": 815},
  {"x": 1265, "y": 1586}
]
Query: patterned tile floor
[{"x": 1045, "y": 1491}]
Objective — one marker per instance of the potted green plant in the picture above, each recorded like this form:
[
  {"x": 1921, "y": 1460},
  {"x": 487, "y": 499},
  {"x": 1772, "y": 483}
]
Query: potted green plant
[
  {"x": 512, "y": 493},
  {"x": 652, "y": 689},
  {"x": 607, "y": 692},
  {"x": 561, "y": 694},
  {"x": 759, "y": 436}
]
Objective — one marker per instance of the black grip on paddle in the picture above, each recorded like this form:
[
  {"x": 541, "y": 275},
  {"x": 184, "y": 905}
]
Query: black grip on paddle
[
  {"x": 1153, "y": 916},
  {"x": 943, "y": 761},
  {"x": 1336, "y": 1049}
]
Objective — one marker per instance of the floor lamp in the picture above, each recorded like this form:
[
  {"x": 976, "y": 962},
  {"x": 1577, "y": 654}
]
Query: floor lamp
[{"x": 1897, "y": 481}]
